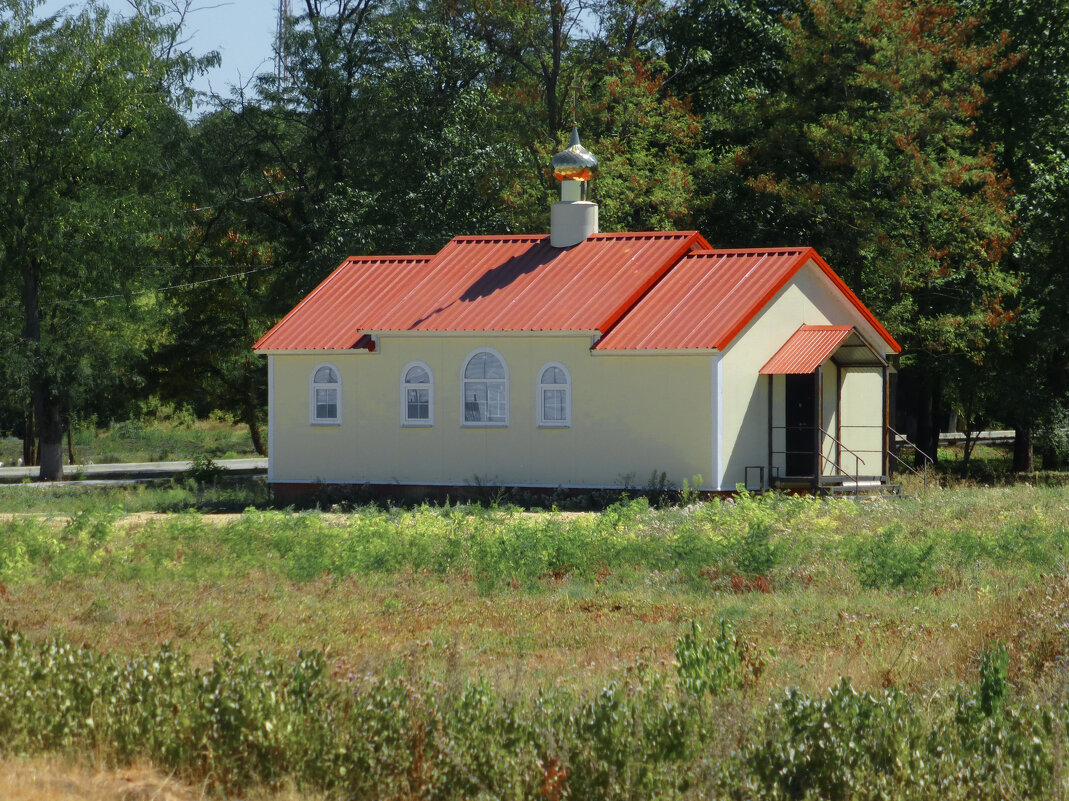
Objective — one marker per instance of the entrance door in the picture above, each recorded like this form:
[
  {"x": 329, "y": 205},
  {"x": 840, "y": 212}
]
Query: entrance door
[{"x": 801, "y": 415}]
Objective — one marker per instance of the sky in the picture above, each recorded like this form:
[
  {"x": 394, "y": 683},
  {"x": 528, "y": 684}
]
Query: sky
[{"x": 243, "y": 32}]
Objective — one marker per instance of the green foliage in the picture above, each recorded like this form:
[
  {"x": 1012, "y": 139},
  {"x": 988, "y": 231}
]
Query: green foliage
[
  {"x": 257, "y": 719},
  {"x": 867, "y": 149},
  {"x": 713, "y": 664},
  {"x": 890, "y": 562},
  {"x": 205, "y": 470},
  {"x": 706, "y": 547},
  {"x": 994, "y": 664},
  {"x": 755, "y": 553},
  {"x": 88, "y": 148}
]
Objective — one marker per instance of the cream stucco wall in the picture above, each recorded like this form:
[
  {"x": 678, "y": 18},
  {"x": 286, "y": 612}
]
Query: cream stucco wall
[
  {"x": 809, "y": 298},
  {"x": 862, "y": 423},
  {"x": 631, "y": 415}
]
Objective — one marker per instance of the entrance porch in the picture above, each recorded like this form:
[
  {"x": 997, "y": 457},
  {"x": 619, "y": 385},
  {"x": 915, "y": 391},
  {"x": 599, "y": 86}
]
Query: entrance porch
[{"x": 827, "y": 413}]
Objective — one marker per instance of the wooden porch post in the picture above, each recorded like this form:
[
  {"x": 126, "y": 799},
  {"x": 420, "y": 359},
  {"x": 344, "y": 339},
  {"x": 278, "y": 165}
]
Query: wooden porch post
[
  {"x": 839, "y": 417},
  {"x": 771, "y": 385},
  {"x": 818, "y": 445},
  {"x": 885, "y": 463}
]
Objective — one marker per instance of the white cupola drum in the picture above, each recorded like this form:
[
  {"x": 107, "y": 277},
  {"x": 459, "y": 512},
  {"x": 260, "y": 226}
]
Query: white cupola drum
[{"x": 574, "y": 218}]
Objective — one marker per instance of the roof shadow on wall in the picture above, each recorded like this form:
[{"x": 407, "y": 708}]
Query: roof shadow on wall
[{"x": 496, "y": 278}]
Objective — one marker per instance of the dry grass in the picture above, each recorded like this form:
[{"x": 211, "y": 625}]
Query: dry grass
[
  {"x": 61, "y": 779},
  {"x": 55, "y": 779}
]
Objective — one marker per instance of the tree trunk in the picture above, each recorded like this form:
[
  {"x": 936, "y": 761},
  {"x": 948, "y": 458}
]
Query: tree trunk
[
  {"x": 46, "y": 407},
  {"x": 29, "y": 439},
  {"x": 250, "y": 411},
  {"x": 927, "y": 427},
  {"x": 1023, "y": 452},
  {"x": 253, "y": 423},
  {"x": 70, "y": 441},
  {"x": 50, "y": 430}
]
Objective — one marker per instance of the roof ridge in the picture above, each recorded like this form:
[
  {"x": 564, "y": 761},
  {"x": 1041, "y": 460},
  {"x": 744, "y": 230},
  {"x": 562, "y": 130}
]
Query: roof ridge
[
  {"x": 496, "y": 238},
  {"x": 648, "y": 234},
  {"x": 748, "y": 251},
  {"x": 420, "y": 257}
]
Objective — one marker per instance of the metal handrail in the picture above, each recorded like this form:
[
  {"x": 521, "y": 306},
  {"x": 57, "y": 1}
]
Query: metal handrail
[
  {"x": 928, "y": 460},
  {"x": 857, "y": 459},
  {"x": 912, "y": 444},
  {"x": 841, "y": 446}
]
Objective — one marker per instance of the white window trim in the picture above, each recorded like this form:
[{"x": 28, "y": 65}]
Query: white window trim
[
  {"x": 405, "y": 421},
  {"x": 463, "y": 385},
  {"x": 539, "y": 387},
  {"x": 313, "y": 386}
]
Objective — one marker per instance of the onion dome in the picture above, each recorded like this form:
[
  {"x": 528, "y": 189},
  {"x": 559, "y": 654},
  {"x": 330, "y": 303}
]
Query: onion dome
[{"x": 575, "y": 162}]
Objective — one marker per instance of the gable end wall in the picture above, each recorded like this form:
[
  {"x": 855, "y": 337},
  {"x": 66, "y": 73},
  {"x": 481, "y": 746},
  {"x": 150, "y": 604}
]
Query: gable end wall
[{"x": 808, "y": 298}]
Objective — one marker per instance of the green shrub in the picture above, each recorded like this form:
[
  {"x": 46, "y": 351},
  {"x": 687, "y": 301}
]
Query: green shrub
[
  {"x": 204, "y": 470},
  {"x": 255, "y": 719},
  {"x": 887, "y": 562},
  {"x": 713, "y": 664},
  {"x": 754, "y": 553}
]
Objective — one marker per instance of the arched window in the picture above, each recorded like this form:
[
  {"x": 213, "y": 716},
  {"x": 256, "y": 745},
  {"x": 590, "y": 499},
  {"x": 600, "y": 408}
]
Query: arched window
[
  {"x": 326, "y": 395},
  {"x": 554, "y": 396},
  {"x": 417, "y": 395},
  {"x": 486, "y": 389}
]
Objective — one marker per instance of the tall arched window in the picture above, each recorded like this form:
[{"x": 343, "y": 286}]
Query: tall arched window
[
  {"x": 326, "y": 395},
  {"x": 417, "y": 395},
  {"x": 486, "y": 389},
  {"x": 554, "y": 396}
]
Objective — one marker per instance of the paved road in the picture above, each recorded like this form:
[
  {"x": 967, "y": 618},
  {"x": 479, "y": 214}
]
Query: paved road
[{"x": 130, "y": 471}]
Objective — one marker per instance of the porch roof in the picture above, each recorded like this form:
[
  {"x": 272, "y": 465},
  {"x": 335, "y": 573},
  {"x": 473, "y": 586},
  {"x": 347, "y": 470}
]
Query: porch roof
[{"x": 811, "y": 345}]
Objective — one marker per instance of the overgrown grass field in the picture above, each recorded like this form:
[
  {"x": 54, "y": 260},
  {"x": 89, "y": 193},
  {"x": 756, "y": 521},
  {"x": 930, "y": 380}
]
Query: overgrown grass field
[{"x": 635, "y": 652}]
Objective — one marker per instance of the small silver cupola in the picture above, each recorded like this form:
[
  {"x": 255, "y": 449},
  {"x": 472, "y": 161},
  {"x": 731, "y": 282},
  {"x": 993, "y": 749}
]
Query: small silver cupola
[{"x": 574, "y": 218}]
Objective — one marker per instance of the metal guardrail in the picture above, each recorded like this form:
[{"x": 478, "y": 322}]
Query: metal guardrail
[
  {"x": 901, "y": 439},
  {"x": 823, "y": 457}
]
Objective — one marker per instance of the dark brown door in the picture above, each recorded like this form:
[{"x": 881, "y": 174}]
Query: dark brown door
[{"x": 800, "y": 421}]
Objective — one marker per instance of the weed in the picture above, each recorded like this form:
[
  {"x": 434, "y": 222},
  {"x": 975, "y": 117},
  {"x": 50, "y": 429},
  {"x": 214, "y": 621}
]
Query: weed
[
  {"x": 887, "y": 562},
  {"x": 714, "y": 664},
  {"x": 204, "y": 471}
]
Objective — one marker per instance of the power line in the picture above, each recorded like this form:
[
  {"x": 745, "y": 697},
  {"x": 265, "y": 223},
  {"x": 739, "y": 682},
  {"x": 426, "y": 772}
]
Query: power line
[
  {"x": 196, "y": 209},
  {"x": 188, "y": 285}
]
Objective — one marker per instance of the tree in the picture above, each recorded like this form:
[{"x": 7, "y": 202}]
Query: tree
[
  {"x": 648, "y": 143},
  {"x": 720, "y": 52},
  {"x": 868, "y": 151},
  {"x": 86, "y": 108},
  {"x": 1025, "y": 123}
]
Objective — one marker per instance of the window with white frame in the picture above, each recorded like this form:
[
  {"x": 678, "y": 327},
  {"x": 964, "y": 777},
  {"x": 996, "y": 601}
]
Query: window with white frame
[
  {"x": 417, "y": 395},
  {"x": 486, "y": 389},
  {"x": 326, "y": 395},
  {"x": 554, "y": 396}
]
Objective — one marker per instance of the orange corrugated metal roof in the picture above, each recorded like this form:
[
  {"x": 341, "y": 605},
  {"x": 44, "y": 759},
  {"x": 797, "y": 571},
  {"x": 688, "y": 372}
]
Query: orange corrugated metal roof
[
  {"x": 710, "y": 296},
  {"x": 807, "y": 349},
  {"x": 324, "y": 320},
  {"x": 478, "y": 283}
]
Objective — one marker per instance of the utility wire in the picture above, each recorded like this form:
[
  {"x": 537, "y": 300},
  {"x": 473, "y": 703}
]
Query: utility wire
[
  {"x": 280, "y": 192},
  {"x": 188, "y": 285}
]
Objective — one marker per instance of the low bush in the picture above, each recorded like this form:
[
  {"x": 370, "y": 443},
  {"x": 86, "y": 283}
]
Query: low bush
[
  {"x": 254, "y": 719},
  {"x": 887, "y": 561},
  {"x": 713, "y": 664}
]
